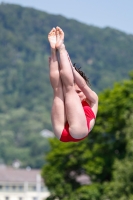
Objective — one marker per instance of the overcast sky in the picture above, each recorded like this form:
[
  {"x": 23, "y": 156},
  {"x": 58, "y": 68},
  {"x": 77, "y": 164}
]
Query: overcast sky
[{"x": 113, "y": 13}]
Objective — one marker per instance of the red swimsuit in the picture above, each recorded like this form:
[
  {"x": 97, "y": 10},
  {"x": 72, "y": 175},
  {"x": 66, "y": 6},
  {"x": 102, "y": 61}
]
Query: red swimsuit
[{"x": 66, "y": 137}]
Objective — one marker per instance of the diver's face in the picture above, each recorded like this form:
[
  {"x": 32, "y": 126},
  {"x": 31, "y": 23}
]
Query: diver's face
[{"x": 79, "y": 92}]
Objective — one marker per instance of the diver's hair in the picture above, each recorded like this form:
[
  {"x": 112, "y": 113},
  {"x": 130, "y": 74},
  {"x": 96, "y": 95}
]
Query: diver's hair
[{"x": 82, "y": 74}]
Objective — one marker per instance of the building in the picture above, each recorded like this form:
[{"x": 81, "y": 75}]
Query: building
[{"x": 21, "y": 184}]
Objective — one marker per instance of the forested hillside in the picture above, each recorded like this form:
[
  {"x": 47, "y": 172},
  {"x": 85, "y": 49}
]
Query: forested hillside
[{"x": 105, "y": 54}]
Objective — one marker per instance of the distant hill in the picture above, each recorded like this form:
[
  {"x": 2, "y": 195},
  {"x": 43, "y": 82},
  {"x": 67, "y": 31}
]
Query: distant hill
[{"x": 106, "y": 55}]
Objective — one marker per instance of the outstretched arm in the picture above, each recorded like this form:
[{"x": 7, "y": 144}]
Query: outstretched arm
[{"x": 88, "y": 92}]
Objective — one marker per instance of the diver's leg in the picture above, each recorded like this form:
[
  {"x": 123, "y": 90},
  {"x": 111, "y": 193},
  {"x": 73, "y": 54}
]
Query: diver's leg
[
  {"x": 74, "y": 110},
  {"x": 58, "y": 112}
]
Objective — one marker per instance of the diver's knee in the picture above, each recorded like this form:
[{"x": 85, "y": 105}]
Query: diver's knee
[{"x": 78, "y": 132}]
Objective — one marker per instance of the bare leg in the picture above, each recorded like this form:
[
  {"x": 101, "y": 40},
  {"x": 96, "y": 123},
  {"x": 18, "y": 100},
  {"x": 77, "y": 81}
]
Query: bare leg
[
  {"x": 58, "y": 110},
  {"x": 74, "y": 110}
]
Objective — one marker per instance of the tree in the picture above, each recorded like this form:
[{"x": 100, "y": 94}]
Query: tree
[
  {"x": 121, "y": 185},
  {"x": 98, "y": 155}
]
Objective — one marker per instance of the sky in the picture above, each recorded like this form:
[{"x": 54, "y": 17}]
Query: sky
[{"x": 116, "y": 14}]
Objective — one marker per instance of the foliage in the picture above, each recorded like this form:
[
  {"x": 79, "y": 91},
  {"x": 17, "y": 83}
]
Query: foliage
[
  {"x": 105, "y": 156},
  {"x": 121, "y": 185}
]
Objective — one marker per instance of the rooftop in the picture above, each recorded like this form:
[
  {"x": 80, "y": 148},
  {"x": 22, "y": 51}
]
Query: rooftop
[{"x": 9, "y": 174}]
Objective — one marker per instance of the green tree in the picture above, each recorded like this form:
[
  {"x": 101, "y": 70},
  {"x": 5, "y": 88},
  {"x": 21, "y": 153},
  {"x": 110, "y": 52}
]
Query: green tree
[
  {"x": 121, "y": 185},
  {"x": 99, "y": 155}
]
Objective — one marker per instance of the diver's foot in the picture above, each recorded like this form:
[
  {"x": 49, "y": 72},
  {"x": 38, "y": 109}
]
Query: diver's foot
[
  {"x": 59, "y": 38},
  {"x": 52, "y": 38}
]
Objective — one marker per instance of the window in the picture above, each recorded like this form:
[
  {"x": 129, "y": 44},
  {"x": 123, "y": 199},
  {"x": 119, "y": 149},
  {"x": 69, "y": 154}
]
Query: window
[
  {"x": 34, "y": 198},
  {"x": 14, "y": 187},
  {"x": 7, "y": 187},
  {"x": 44, "y": 188},
  {"x": 1, "y": 187},
  {"x": 32, "y": 188},
  {"x": 21, "y": 187}
]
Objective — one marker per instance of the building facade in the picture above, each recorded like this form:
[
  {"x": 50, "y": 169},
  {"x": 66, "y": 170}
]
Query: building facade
[{"x": 21, "y": 184}]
